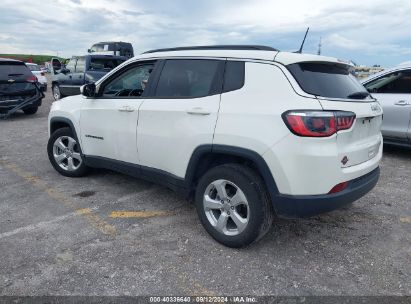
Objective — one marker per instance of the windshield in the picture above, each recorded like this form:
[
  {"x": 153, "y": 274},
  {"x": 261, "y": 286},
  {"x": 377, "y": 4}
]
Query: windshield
[
  {"x": 33, "y": 67},
  {"x": 98, "y": 48},
  {"x": 104, "y": 64},
  {"x": 331, "y": 80}
]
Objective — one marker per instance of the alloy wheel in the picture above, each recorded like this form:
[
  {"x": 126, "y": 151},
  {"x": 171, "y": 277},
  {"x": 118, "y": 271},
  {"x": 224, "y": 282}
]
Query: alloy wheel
[
  {"x": 66, "y": 153},
  {"x": 226, "y": 207}
]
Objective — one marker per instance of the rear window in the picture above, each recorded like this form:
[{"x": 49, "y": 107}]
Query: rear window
[
  {"x": 331, "y": 80},
  {"x": 104, "y": 64},
  {"x": 13, "y": 69}
]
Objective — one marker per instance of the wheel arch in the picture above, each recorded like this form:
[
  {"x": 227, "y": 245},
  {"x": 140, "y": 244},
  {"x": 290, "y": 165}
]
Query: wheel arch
[
  {"x": 208, "y": 156},
  {"x": 62, "y": 122}
]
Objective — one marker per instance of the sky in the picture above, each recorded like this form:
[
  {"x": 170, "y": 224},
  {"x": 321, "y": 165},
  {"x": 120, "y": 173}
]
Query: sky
[{"x": 367, "y": 32}]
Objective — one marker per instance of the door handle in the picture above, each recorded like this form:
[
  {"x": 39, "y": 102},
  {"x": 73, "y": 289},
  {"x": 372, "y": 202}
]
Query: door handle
[
  {"x": 402, "y": 103},
  {"x": 198, "y": 111},
  {"x": 70, "y": 76},
  {"x": 126, "y": 109}
]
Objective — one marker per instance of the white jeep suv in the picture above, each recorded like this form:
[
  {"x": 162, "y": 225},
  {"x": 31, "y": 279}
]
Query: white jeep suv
[{"x": 247, "y": 131}]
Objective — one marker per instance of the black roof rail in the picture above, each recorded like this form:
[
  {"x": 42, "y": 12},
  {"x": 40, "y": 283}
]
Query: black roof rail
[{"x": 215, "y": 47}]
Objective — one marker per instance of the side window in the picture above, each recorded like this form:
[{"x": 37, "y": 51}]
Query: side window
[
  {"x": 234, "y": 76},
  {"x": 130, "y": 83},
  {"x": 71, "y": 65},
  {"x": 190, "y": 78},
  {"x": 81, "y": 64},
  {"x": 397, "y": 82}
]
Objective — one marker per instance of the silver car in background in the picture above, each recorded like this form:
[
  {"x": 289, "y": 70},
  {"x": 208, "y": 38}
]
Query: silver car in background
[{"x": 392, "y": 89}]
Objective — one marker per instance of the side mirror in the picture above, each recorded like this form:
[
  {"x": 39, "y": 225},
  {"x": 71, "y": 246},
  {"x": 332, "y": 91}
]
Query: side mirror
[
  {"x": 88, "y": 50},
  {"x": 88, "y": 90}
]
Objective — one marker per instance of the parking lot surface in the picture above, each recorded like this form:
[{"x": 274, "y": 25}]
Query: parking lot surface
[{"x": 110, "y": 234}]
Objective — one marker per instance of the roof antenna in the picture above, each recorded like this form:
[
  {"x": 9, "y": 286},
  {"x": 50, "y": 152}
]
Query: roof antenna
[{"x": 302, "y": 44}]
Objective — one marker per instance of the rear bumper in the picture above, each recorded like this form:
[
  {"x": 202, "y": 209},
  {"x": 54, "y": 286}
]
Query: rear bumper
[
  {"x": 298, "y": 206},
  {"x": 8, "y": 105}
]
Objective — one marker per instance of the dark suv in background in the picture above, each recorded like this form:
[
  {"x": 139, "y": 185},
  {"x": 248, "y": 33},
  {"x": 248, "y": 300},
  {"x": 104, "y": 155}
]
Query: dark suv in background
[
  {"x": 80, "y": 70},
  {"x": 113, "y": 48},
  {"x": 18, "y": 88}
]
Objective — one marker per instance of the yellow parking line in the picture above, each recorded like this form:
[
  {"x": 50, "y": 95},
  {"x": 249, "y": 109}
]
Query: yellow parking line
[
  {"x": 96, "y": 221},
  {"x": 139, "y": 214},
  {"x": 405, "y": 219},
  {"x": 93, "y": 219}
]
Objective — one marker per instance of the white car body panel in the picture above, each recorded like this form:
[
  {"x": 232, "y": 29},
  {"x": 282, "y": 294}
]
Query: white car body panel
[
  {"x": 169, "y": 130},
  {"x": 109, "y": 128}
]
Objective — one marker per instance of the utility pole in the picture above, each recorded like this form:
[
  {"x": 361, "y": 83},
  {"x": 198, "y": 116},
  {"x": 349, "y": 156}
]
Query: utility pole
[{"x": 319, "y": 47}]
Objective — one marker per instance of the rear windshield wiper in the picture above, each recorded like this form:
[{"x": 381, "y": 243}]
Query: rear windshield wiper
[
  {"x": 359, "y": 95},
  {"x": 16, "y": 74}
]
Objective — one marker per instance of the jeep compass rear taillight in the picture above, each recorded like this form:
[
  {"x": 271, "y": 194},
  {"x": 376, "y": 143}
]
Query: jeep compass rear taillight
[{"x": 318, "y": 123}]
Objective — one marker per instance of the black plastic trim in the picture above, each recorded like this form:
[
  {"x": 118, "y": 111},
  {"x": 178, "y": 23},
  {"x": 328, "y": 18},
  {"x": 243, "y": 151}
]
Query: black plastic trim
[
  {"x": 298, "y": 206},
  {"x": 397, "y": 143},
  {"x": 256, "y": 158},
  {"x": 65, "y": 120},
  {"x": 154, "y": 175}
]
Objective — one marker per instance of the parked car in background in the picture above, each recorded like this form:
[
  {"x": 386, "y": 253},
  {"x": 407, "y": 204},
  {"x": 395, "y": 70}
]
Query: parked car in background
[
  {"x": 80, "y": 70},
  {"x": 392, "y": 89},
  {"x": 18, "y": 88},
  {"x": 41, "y": 77},
  {"x": 44, "y": 69},
  {"x": 113, "y": 48},
  {"x": 247, "y": 131}
]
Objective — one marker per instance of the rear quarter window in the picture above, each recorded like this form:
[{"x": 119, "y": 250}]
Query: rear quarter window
[
  {"x": 330, "y": 80},
  {"x": 233, "y": 76}
]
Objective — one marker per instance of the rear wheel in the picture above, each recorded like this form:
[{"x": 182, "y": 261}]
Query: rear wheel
[
  {"x": 233, "y": 205},
  {"x": 56, "y": 92},
  {"x": 65, "y": 153},
  {"x": 30, "y": 111}
]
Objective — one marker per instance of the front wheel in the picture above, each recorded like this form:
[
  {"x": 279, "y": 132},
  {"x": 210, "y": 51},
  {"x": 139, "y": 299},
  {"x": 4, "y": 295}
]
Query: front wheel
[
  {"x": 65, "y": 153},
  {"x": 233, "y": 205}
]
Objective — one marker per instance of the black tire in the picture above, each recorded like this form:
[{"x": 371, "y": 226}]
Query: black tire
[
  {"x": 260, "y": 207},
  {"x": 30, "y": 111},
  {"x": 66, "y": 134},
  {"x": 56, "y": 92}
]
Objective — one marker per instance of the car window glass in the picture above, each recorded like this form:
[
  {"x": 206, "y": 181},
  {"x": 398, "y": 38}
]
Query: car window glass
[
  {"x": 130, "y": 83},
  {"x": 33, "y": 67},
  {"x": 395, "y": 83},
  {"x": 188, "y": 78},
  {"x": 331, "y": 80},
  {"x": 104, "y": 64},
  {"x": 71, "y": 65},
  {"x": 80, "y": 66},
  {"x": 234, "y": 75}
]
